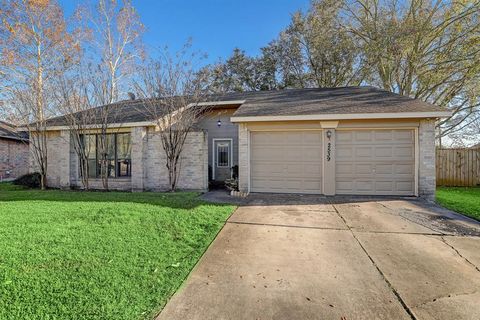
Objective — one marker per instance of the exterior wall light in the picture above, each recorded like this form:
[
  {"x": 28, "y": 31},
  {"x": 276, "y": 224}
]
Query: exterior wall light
[
  {"x": 219, "y": 123},
  {"x": 329, "y": 134}
]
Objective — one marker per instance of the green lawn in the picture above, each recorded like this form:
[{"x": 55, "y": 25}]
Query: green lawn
[
  {"x": 96, "y": 255},
  {"x": 460, "y": 199}
]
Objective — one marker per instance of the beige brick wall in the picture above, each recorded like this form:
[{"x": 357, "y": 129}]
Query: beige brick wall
[
  {"x": 58, "y": 159},
  {"x": 193, "y": 164},
  {"x": 14, "y": 158},
  {"x": 243, "y": 158},
  {"x": 120, "y": 184},
  {"x": 426, "y": 170},
  {"x": 148, "y": 163},
  {"x": 139, "y": 143}
]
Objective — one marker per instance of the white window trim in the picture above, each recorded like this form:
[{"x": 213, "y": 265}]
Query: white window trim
[{"x": 214, "y": 155}]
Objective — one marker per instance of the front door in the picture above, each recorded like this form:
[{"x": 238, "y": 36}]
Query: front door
[{"x": 222, "y": 153}]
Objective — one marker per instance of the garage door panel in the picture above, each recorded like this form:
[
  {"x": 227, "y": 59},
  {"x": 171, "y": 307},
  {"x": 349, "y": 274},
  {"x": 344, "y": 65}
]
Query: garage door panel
[
  {"x": 375, "y": 161},
  {"x": 363, "y": 136},
  {"x": 267, "y": 154},
  {"x": 312, "y": 138},
  {"x": 344, "y": 169},
  {"x": 408, "y": 169},
  {"x": 405, "y": 152},
  {"x": 363, "y": 168},
  {"x": 404, "y": 136},
  {"x": 364, "y": 152},
  {"x": 384, "y": 169},
  {"x": 287, "y": 162},
  {"x": 383, "y": 152},
  {"x": 341, "y": 136},
  {"x": 311, "y": 154},
  {"x": 343, "y": 153},
  {"x": 383, "y": 135},
  {"x": 404, "y": 186},
  {"x": 364, "y": 185},
  {"x": 287, "y": 186},
  {"x": 272, "y": 168}
]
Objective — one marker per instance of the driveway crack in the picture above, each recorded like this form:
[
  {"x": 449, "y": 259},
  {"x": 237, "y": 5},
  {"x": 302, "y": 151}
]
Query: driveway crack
[
  {"x": 285, "y": 225},
  {"x": 458, "y": 252},
  {"x": 389, "y": 284},
  {"x": 451, "y": 295}
]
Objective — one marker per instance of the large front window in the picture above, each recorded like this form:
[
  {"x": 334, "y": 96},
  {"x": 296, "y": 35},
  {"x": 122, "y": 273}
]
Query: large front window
[{"x": 114, "y": 149}]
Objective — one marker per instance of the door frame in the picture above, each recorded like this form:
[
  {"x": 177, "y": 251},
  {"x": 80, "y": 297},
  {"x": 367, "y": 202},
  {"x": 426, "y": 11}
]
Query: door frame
[{"x": 214, "y": 154}]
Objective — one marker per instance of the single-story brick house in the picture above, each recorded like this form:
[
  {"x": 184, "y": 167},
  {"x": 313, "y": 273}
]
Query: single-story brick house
[
  {"x": 14, "y": 152},
  {"x": 349, "y": 140}
]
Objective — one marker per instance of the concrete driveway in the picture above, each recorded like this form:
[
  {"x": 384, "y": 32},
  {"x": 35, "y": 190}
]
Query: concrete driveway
[{"x": 308, "y": 257}]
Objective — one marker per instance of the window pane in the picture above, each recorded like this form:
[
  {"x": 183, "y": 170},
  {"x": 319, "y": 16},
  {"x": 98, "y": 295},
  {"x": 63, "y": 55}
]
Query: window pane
[
  {"x": 124, "y": 168},
  {"x": 222, "y": 155},
  {"x": 124, "y": 150},
  {"x": 90, "y": 145},
  {"x": 106, "y": 147},
  {"x": 124, "y": 146},
  {"x": 106, "y": 144},
  {"x": 111, "y": 168},
  {"x": 92, "y": 168}
]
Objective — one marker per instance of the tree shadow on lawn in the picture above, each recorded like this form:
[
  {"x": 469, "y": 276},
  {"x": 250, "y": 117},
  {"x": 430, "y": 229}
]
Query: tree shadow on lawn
[{"x": 174, "y": 200}]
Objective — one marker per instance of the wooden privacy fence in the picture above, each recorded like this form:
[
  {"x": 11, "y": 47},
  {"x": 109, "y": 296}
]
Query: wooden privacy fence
[{"x": 458, "y": 167}]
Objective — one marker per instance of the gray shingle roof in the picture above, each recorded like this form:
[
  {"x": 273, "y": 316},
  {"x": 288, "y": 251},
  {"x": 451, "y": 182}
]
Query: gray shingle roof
[
  {"x": 344, "y": 100},
  {"x": 120, "y": 112}
]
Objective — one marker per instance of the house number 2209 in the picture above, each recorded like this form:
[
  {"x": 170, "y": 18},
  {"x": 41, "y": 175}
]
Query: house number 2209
[{"x": 329, "y": 151}]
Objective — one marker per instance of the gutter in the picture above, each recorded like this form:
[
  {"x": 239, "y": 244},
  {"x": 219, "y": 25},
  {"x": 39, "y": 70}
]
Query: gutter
[{"x": 344, "y": 116}]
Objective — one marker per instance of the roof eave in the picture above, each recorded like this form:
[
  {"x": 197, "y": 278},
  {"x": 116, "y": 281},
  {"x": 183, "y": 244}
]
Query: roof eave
[
  {"x": 344, "y": 116},
  {"x": 14, "y": 138},
  {"x": 99, "y": 126}
]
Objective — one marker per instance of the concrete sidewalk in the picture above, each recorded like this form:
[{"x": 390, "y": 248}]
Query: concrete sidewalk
[{"x": 319, "y": 258}]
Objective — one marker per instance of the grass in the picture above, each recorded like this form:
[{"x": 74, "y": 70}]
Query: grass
[
  {"x": 460, "y": 199},
  {"x": 96, "y": 255}
]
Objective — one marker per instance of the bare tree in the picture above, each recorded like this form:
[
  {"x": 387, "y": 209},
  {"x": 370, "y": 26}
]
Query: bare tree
[
  {"x": 171, "y": 92},
  {"x": 98, "y": 117},
  {"x": 112, "y": 32},
  {"x": 33, "y": 42},
  {"x": 72, "y": 99}
]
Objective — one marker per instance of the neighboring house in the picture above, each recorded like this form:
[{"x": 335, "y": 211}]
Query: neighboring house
[
  {"x": 351, "y": 140},
  {"x": 14, "y": 152}
]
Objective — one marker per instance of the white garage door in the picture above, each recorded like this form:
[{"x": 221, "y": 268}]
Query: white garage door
[
  {"x": 286, "y": 162},
  {"x": 376, "y": 162}
]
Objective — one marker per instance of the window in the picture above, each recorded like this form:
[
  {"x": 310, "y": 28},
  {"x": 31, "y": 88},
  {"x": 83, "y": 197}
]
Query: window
[
  {"x": 223, "y": 154},
  {"x": 124, "y": 159},
  {"x": 90, "y": 144},
  {"x": 117, "y": 154}
]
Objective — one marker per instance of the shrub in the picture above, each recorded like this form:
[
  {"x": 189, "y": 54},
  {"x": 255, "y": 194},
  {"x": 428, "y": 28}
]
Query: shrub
[{"x": 31, "y": 180}]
